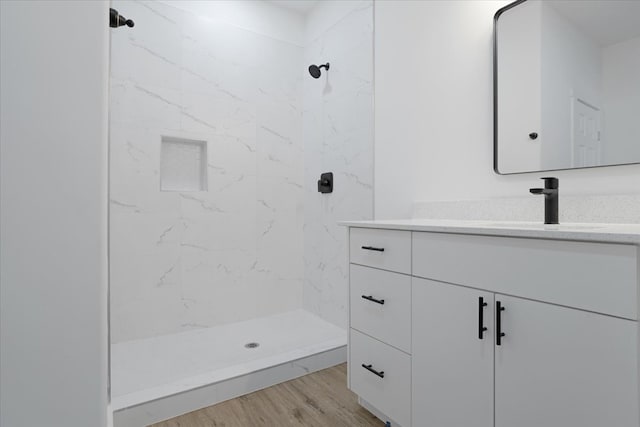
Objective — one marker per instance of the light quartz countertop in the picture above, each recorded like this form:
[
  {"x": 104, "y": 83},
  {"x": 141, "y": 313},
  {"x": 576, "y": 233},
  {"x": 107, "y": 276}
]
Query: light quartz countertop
[{"x": 592, "y": 232}]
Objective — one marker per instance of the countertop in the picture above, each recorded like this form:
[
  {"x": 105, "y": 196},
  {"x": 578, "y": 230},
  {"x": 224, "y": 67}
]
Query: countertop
[{"x": 592, "y": 232}]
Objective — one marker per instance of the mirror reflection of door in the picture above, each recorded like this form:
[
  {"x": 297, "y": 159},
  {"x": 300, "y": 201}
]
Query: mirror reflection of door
[{"x": 585, "y": 136}]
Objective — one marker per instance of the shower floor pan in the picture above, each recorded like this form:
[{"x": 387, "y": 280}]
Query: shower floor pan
[{"x": 159, "y": 378}]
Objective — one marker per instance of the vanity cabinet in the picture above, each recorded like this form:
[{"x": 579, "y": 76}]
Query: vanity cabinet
[
  {"x": 567, "y": 309},
  {"x": 555, "y": 366},
  {"x": 380, "y": 321}
]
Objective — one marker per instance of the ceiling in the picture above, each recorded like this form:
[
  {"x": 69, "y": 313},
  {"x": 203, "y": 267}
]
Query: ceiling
[{"x": 299, "y": 6}]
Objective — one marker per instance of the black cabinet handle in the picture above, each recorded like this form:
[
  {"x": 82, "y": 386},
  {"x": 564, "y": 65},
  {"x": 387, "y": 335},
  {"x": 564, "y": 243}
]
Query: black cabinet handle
[
  {"x": 371, "y": 248},
  {"x": 499, "y": 333},
  {"x": 481, "y": 306},
  {"x": 370, "y": 369},
  {"x": 372, "y": 299}
]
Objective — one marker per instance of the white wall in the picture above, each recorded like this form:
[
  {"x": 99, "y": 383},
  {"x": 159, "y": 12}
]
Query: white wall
[
  {"x": 326, "y": 14},
  {"x": 338, "y": 138},
  {"x": 433, "y": 115},
  {"x": 258, "y": 16},
  {"x": 53, "y": 345},
  {"x": 190, "y": 259},
  {"x": 261, "y": 240},
  {"x": 621, "y": 89}
]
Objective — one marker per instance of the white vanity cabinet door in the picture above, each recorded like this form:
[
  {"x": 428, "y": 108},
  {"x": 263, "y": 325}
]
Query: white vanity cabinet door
[
  {"x": 561, "y": 367},
  {"x": 452, "y": 368}
]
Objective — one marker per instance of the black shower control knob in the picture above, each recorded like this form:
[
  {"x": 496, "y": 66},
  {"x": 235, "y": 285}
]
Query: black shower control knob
[
  {"x": 533, "y": 135},
  {"x": 325, "y": 183}
]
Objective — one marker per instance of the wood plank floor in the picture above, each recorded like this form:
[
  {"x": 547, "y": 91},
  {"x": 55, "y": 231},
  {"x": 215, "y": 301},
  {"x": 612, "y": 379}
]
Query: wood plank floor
[{"x": 320, "y": 399}]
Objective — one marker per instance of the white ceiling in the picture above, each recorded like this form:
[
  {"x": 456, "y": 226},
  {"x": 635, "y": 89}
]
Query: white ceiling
[{"x": 300, "y": 6}]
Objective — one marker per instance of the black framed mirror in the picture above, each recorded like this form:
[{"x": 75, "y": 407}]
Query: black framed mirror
[{"x": 566, "y": 85}]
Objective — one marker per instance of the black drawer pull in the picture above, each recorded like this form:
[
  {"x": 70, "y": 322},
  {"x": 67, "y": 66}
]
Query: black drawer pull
[
  {"x": 370, "y": 369},
  {"x": 481, "y": 306},
  {"x": 372, "y": 299},
  {"x": 372, "y": 248},
  {"x": 499, "y": 333}
]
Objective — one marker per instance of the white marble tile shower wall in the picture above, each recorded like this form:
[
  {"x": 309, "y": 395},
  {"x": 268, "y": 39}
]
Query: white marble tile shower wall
[
  {"x": 338, "y": 137},
  {"x": 182, "y": 260}
]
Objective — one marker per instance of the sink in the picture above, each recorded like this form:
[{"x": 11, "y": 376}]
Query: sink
[{"x": 538, "y": 226}]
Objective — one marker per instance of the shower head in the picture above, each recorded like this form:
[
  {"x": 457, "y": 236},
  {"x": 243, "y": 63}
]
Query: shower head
[
  {"x": 314, "y": 70},
  {"x": 116, "y": 20}
]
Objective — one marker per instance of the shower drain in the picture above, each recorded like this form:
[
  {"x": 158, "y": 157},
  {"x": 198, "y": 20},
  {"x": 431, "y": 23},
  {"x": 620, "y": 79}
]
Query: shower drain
[{"x": 251, "y": 345}]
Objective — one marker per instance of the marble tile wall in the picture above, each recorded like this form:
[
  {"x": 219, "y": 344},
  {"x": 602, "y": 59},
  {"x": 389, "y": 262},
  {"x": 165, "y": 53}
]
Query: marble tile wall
[
  {"x": 183, "y": 260},
  {"x": 338, "y": 138}
]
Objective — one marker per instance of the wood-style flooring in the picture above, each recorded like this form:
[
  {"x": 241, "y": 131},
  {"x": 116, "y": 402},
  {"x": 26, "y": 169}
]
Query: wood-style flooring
[{"x": 320, "y": 399}]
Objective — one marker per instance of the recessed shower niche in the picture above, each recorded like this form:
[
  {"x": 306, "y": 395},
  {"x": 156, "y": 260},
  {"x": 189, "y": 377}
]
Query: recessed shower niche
[{"x": 183, "y": 164}]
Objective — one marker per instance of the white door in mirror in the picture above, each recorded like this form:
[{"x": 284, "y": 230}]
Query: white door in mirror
[{"x": 585, "y": 135}]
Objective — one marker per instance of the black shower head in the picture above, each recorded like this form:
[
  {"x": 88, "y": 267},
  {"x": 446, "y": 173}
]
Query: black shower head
[
  {"x": 314, "y": 70},
  {"x": 116, "y": 20}
]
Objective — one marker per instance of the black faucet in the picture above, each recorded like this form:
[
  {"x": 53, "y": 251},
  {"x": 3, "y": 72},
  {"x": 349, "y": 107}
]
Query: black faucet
[{"x": 551, "y": 194}]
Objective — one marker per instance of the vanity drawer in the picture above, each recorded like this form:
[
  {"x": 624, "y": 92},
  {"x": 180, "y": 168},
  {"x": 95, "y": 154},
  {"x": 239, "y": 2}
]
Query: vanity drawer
[
  {"x": 391, "y": 394},
  {"x": 599, "y": 277},
  {"x": 386, "y": 312},
  {"x": 385, "y": 249}
]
